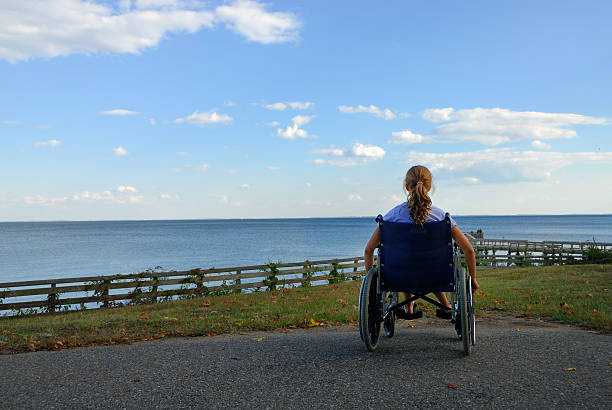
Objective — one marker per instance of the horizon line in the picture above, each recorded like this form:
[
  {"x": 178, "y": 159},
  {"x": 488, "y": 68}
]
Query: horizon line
[{"x": 271, "y": 218}]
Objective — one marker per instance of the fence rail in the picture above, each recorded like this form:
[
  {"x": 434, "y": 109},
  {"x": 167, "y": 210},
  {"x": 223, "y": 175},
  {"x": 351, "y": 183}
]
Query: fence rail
[
  {"x": 508, "y": 252},
  {"x": 50, "y": 295},
  {"x": 152, "y": 286}
]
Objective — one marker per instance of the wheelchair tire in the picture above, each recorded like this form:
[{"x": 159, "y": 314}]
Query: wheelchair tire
[
  {"x": 463, "y": 310},
  {"x": 389, "y": 324},
  {"x": 369, "y": 301},
  {"x": 471, "y": 312}
]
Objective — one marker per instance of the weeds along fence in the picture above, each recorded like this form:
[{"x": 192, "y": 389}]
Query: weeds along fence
[
  {"x": 153, "y": 285},
  {"x": 506, "y": 252},
  {"x": 51, "y": 295}
]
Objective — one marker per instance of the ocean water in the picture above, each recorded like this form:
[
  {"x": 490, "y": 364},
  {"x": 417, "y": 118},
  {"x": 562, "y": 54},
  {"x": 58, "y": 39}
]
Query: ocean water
[{"x": 40, "y": 250}]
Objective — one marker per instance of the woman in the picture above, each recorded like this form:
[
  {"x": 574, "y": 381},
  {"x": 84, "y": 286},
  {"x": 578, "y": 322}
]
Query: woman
[{"x": 418, "y": 209}]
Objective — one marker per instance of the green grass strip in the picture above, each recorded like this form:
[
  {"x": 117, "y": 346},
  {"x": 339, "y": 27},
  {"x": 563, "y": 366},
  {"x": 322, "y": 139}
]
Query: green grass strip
[{"x": 577, "y": 294}]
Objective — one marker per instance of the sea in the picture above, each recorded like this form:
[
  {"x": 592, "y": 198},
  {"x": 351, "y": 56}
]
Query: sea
[{"x": 45, "y": 250}]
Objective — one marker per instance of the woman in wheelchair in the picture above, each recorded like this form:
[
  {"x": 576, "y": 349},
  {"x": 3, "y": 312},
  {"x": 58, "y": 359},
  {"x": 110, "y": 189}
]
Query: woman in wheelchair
[{"x": 419, "y": 209}]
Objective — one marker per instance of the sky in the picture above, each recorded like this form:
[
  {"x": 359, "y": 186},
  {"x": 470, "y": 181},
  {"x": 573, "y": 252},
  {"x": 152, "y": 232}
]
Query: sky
[{"x": 185, "y": 109}]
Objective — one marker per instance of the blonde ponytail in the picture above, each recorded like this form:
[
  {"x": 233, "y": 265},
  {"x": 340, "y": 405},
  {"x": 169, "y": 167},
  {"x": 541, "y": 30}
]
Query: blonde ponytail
[{"x": 418, "y": 180}]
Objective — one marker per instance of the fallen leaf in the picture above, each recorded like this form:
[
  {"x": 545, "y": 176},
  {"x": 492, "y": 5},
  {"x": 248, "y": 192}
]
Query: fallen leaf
[
  {"x": 519, "y": 330},
  {"x": 570, "y": 369},
  {"x": 144, "y": 314},
  {"x": 239, "y": 323},
  {"x": 259, "y": 339},
  {"x": 452, "y": 386},
  {"x": 410, "y": 325},
  {"x": 303, "y": 298},
  {"x": 314, "y": 323}
]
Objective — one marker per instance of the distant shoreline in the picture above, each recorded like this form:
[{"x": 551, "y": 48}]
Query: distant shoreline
[{"x": 281, "y": 218}]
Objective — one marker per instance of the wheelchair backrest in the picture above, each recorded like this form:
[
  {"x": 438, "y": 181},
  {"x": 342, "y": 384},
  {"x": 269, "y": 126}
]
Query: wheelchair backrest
[{"x": 416, "y": 258}]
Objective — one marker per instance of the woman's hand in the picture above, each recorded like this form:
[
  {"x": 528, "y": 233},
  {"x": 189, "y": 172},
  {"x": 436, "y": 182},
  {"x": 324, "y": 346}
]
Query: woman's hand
[{"x": 475, "y": 285}]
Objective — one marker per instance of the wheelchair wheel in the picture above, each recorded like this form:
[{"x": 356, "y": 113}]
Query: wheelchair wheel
[
  {"x": 370, "y": 303},
  {"x": 463, "y": 311},
  {"x": 471, "y": 312},
  {"x": 390, "y": 324}
]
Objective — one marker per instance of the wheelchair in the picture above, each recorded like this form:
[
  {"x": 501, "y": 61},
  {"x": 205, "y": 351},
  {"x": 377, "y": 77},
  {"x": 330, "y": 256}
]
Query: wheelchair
[{"x": 416, "y": 259}]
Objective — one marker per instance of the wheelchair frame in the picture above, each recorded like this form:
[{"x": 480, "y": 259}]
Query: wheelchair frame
[{"x": 374, "y": 311}]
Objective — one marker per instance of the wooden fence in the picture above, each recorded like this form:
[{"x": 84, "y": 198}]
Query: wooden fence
[
  {"x": 507, "y": 252},
  {"x": 51, "y": 295},
  {"x": 147, "y": 287}
]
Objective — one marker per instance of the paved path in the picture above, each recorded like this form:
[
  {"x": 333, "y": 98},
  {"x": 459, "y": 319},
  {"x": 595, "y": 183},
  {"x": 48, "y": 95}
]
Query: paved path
[{"x": 323, "y": 368}]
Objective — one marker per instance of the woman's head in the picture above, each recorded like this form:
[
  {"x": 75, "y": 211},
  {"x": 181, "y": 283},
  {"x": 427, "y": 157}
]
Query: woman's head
[{"x": 418, "y": 183}]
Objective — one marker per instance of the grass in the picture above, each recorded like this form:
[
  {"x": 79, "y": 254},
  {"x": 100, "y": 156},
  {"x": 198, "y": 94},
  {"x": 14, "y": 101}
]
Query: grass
[{"x": 576, "y": 294}]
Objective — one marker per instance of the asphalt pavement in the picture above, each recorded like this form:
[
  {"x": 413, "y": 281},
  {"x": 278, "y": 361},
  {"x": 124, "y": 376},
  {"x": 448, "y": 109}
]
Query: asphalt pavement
[{"x": 516, "y": 363}]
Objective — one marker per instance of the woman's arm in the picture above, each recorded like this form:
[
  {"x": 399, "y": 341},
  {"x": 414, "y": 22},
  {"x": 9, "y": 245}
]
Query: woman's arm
[
  {"x": 368, "y": 254},
  {"x": 468, "y": 251}
]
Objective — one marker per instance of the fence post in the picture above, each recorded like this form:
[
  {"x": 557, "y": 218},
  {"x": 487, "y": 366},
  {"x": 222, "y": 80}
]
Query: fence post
[
  {"x": 53, "y": 298},
  {"x": 237, "y": 282},
  {"x": 105, "y": 294}
]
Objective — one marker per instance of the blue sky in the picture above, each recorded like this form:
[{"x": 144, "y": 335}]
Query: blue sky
[{"x": 169, "y": 109}]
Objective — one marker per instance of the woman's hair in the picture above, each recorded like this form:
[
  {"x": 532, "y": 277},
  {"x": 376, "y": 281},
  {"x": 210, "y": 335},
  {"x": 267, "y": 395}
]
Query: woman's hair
[{"x": 418, "y": 179}]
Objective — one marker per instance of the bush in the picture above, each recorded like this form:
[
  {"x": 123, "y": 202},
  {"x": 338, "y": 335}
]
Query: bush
[{"x": 598, "y": 255}]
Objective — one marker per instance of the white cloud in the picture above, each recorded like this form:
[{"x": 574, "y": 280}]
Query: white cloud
[
  {"x": 233, "y": 171},
  {"x": 407, "y": 137},
  {"x": 245, "y": 186},
  {"x": 367, "y": 151},
  {"x": 537, "y": 144},
  {"x": 272, "y": 168},
  {"x": 120, "y": 151},
  {"x": 118, "y": 112},
  {"x": 42, "y": 200},
  {"x": 494, "y": 126},
  {"x": 438, "y": 114},
  {"x": 294, "y": 131},
  {"x": 296, "y": 105},
  {"x": 199, "y": 168},
  {"x": 353, "y": 197},
  {"x": 202, "y": 118},
  {"x": 337, "y": 152},
  {"x": 251, "y": 20},
  {"x": 182, "y": 153},
  {"x": 274, "y": 123},
  {"x": 278, "y": 106},
  {"x": 395, "y": 198},
  {"x": 50, "y": 143},
  {"x": 386, "y": 113},
  {"x": 501, "y": 164},
  {"x": 230, "y": 104},
  {"x": 122, "y": 197},
  {"x": 226, "y": 201},
  {"x": 169, "y": 197},
  {"x": 471, "y": 180},
  {"x": 308, "y": 184},
  {"x": 152, "y": 121},
  {"x": 126, "y": 188},
  {"x": 49, "y": 28},
  {"x": 358, "y": 154}
]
